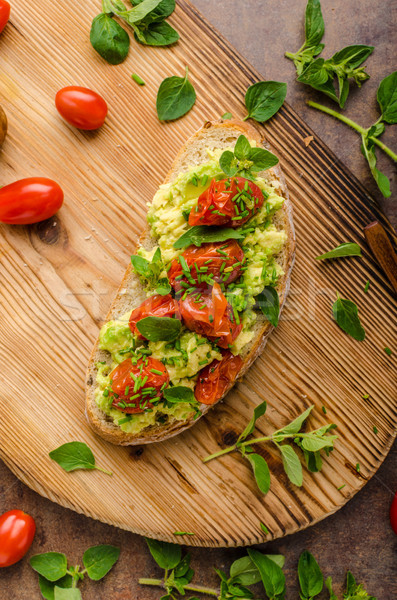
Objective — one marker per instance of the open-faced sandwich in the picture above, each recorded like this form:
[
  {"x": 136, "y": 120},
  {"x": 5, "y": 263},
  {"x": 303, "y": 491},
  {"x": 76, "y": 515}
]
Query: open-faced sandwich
[{"x": 203, "y": 293}]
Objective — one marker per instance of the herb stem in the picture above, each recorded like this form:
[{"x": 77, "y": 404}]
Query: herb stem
[
  {"x": 385, "y": 148},
  {"x": 104, "y": 470},
  {"x": 190, "y": 588}
]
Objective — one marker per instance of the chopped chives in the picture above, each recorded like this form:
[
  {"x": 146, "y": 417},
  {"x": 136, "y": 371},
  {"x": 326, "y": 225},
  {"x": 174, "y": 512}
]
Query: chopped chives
[{"x": 137, "y": 79}]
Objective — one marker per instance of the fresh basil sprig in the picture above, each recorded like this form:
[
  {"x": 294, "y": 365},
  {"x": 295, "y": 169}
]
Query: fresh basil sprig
[
  {"x": 345, "y": 313},
  {"x": 153, "y": 30},
  {"x": 109, "y": 39},
  {"x": 150, "y": 272},
  {"x": 269, "y": 303},
  {"x": 57, "y": 581},
  {"x": 75, "y": 455},
  {"x": 175, "y": 97},
  {"x": 264, "y": 99},
  {"x": 245, "y": 160},
  {"x": 311, "y": 443},
  {"x": 311, "y": 580},
  {"x": 346, "y": 249},
  {"x": 159, "y": 329},
  {"x": 201, "y": 234}
]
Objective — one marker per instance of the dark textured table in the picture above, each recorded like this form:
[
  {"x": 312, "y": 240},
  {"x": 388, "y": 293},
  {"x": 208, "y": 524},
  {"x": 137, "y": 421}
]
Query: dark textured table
[{"x": 358, "y": 536}]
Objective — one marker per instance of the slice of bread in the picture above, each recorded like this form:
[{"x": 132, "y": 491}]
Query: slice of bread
[{"x": 131, "y": 293}]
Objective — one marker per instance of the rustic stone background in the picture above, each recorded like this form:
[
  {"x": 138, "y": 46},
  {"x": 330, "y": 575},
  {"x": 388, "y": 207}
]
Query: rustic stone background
[{"x": 358, "y": 536}]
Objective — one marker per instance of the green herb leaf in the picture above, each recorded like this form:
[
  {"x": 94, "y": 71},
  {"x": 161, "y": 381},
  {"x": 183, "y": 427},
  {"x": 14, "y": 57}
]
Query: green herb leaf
[
  {"x": 66, "y": 594},
  {"x": 269, "y": 303},
  {"x": 259, "y": 411},
  {"x": 156, "y": 329},
  {"x": 262, "y": 159},
  {"x": 183, "y": 567},
  {"x": 75, "y": 455},
  {"x": 109, "y": 39},
  {"x": 175, "y": 98},
  {"x": 296, "y": 425},
  {"x": 201, "y": 234},
  {"x": 242, "y": 148},
  {"x": 161, "y": 12},
  {"x": 183, "y": 533},
  {"x": 292, "y": 464},
  {"x": 314, "y": 23},
  {"x": 352, "y": 56},
  {"x": 228, "y": 163},
  {"x": 155, "y": 34},
  {"x": 264, "y": 99},
  {"x": 138, "y": 12},
  {"x": 47, "y": 587},
  {"x": 179, "y": 393},
  {"x": 98, "y": 560},
  {"x": 388, "y": 351},
  {"x": 328, "y": 585},
  {"x": 51, "y": 565},
  {"x": 272, "y": 576},
  {"x": 346, "y": 249},
  {"x": 163, "y": 287},
  {"x": 261, "y": 471},
  {"x": 247, "y": 573},
  {"x": 166, "y": 555},
  {"x": 226, "y": 116},
  {"x": 310, "y": 576},
  {"x": 387, "y": 98},
  {"x": 264, "y": 529},
  {"x": 346, "y": 315},
  {"x": 368, "y": 150},
  {"x": 355, "y": 591}
]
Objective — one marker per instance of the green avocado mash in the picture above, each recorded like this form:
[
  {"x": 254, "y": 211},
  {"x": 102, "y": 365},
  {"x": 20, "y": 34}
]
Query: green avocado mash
[{"x": 184, "y": 358}]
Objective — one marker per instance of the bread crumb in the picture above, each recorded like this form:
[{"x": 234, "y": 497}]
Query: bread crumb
[{"x": 308, "y": 140}]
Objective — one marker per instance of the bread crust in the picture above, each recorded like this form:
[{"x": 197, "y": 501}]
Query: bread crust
[{"x": 130, "y": 286}]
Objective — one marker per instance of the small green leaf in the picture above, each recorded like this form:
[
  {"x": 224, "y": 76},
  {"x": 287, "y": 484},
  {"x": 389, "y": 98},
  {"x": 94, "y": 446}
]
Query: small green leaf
[
  {"x": 179, "y": 393},
  {"x": 183, "y": 533},
  {"x": 163, "y": 287},
  {"x": 138, "y": 12},
  {"x": 109, "y": 39},
  {"x": 346, "y": 249},
  {"x": 269, "y": 303},
  {"x": 75, "y": 455},
  {"x": 272, "y": 576},
  {"x": 314, "y": 444},
  {"x": 226, "y": 116},
  {"x": 228, "y": 163},
  {"x": 242, "y": 148},
  {"x": 51, "y": 565},
  {"x": 314, "y": 23},
  {"x": 310, "y": 576},
  {"x": 166, "y": 555},
  {"x": 156, "y": 329},
  {"x": 155, "y": 34},
  {"x": 183, "y": 566},
  {"x": 261, "y": 471},
  {"x": 387, "y": 98},
  {"x": 296, "y": 425},
  {"x": 246, "y": 572},
  {"x": 368, "y": 150},
  {"x": 264, "y": 99},
  {"x": 47, "y": 587},
  {"x": 264, "y": 529},
  {"x": 262, "y": 159},
  {"x": 175, "y": 98},
  {"x": 292, "y": 464},
  {"x": 388, "y": 351},
  {"x": 66, "y": 593},
  {"x": 98, "y": 560},
  {"x": 352, "y": 56},
  {"x": 346, "y": 315},
  {"x": 259, "y": 411},
  {"x": 201, "y": 234}
]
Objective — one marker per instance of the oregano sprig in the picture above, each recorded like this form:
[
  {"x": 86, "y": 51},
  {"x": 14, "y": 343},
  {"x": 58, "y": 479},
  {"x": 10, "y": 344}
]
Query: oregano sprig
[
  {"x": 245, "y": 160},
  {"x": 311, "y": 443}
]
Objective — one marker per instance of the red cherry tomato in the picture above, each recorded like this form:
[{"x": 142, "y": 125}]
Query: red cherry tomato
[
  {"x": 17, "y": 531},
  {"x": 81, "y": 107},
  {"x": 216, "y": 377},
  {"x": 230, "y": 202},
  {"x": 154, "y": 306},
  {"x": 393, "y": 514},
  {"x": 29, "y": 200},
  {"x": 215, "y": 261},
  {"x": 4, "y": 14},
  {"x": 138, "y": 387},
  {"x": 207, "y": 312}
]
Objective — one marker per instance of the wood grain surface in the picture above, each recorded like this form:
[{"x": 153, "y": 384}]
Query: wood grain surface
[{"x": 59, "y": 276}]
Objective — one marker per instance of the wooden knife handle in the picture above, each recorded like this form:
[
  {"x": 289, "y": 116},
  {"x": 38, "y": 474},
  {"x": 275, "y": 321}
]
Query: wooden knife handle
[{"x": 382, "y": 248}]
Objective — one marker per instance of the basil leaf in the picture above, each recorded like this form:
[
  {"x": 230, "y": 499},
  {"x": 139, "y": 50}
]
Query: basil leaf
[
  {"x": 159, "y": 329},
  {"x": 269, "y": 303},
  {"x": 228, "y": 163},
  {"x": 328, "y": 585},
  {"x": 155, "y": 34},
  {"x": 47, "y": 587},
  {"x": 246, "y": 572},
  {"x": 175, "y": 98},
  {"x": 368, "y": 151},
  {"x": 292, "y": 464},
  {"x": 109, "y": 39},
  {"x": 242, "y": 148},
  {"x": 343, "y": 90},
  {"x": 75, "y": 455},
  {"x": 98, "y": 560},
  {"x": 314, "y": 23},
  {"x": 201, "y": 234},
  {"x": 166, "y": 555},
  {"x": 179, "y": 393},
  {"x": 141, "y": 266},
  {"x": 272, "y": 576},
  {"x": 296, "y": 425},
  {"x": 346, "y": 315},
  {"x": 161, "y": 12},
  {"x": 163, "y": 287},
  {"x": 352, "y": 56},
  {"x": 264, "y": 99},
  {"x": 51, "y": 565},
  {"x": 346, "y": 249},
  {"x": 315, "y": 73},
  {"x": 259, "y": 411},
  {"x": 66, "y": 594},
  {"x": 261, "y": 471},
  {"x": 183, "y": 567},
  {"x": 310, "y": 576},
  {"x": 387, "y": 98},
  {"x": 138, "y": 12},
  {"x": 262, "y": 159}
]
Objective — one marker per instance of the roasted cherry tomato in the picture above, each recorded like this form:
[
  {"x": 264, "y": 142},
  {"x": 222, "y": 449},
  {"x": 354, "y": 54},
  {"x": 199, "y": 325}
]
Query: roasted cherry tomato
[
  {"x": 154, "y": 306},
  {"x": 216, "y": 261},
  {"x": 207, "y": 312},
  {"x": 216, "y": 377},
  {"x": 17, "y": 531},
  {"x": 81, "y": 107},
  {"x": 4, "y": 14},
  {"x": 137, "y": 387},
  {"x": 393, "y": 514},
  {"x": 29, "y": 200},
  {"x": 228, "y": 202}
]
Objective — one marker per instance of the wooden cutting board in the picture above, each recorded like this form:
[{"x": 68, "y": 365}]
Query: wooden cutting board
[{"x": 58, "y": 279}]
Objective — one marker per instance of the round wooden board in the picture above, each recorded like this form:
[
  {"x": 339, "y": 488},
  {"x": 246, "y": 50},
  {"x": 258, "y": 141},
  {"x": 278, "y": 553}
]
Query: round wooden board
[{"x": 58, "y": 278}]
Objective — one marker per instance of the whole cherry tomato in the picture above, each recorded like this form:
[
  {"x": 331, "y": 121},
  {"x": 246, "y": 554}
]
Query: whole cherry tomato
[
  {"x": 154, "y": 306},
  {"x": 393, "y": 514},
  {"x": 81, "y": 107},
  {"x": 216, "y": 377},
  {"x": 17, "y": 531},
  {"x": 230, "y": 202},
  {"x": 215, "y": 261},
  {"x": 207, "y": 312},
  {"x": 29, "y": 200},
  {"x": 137, "y": 385},
  {"x": 4, "y": 14}
]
